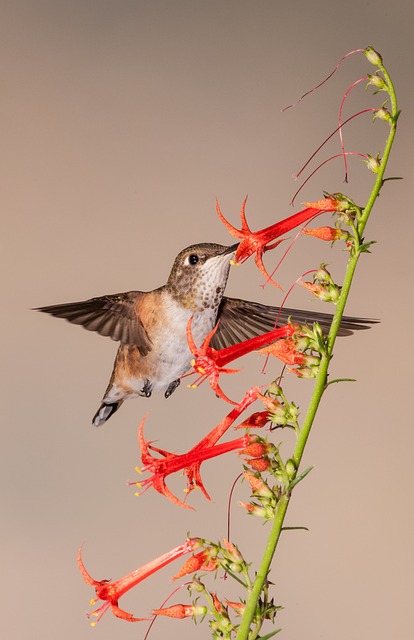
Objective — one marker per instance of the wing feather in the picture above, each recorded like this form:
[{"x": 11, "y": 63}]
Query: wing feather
[
  {"x": 114, "y": 316},
  {"x": 241, "y": 319}
]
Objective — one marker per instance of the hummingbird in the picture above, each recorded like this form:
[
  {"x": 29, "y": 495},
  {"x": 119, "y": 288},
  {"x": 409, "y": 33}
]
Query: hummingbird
[{"x": 153, "y": 353}]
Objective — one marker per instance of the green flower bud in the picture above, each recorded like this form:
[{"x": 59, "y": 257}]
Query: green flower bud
[
  {"x": 383, "y": 114},
  {"x": 373, "y": 164},
  {"x": 377, "y": 82},
  {"x": 373, "y": 56},
  {"x": 290, "y": 469}
]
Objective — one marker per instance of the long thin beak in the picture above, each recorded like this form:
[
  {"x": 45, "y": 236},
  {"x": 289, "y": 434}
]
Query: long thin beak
[{"x": 231, "y": 249}]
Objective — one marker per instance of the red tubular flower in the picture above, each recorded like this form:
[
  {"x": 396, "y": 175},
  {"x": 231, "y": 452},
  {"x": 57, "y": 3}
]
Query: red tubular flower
[
  {"x": 329, "y": 234},
  {"x": 209, "y": 362},
  {"x": 259, "y": 487},
  {"x": 190, "y": 461},
  {"x": 110, "y": 592},
  {"x": 257, "y": 242},
  {"x": 202, "y": 561},
  {"x": 181, "y": 611},
  {"x": 238, "y": 607},
  {"x": 255, "y": 421},
  {"x": 286, "y": 351},
  {"x": 218, "y": 605}
]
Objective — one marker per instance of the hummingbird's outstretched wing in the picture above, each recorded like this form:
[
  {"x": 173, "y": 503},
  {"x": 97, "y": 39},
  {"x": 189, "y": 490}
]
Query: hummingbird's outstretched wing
[
  {"x": 241, "y": 319},
  {"x": 114, "y": 316}
]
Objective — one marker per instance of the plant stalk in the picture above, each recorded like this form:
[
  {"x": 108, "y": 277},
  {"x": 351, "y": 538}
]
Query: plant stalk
[{"x": 244, "y": 632}]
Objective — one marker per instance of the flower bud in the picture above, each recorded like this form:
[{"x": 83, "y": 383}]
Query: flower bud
[
  {"x": 282, "y": 416},
  {"x": 238, "y": 607},
  {"x": 302, "y": 342},
  {"x": 256, "y": 449},
  {"x": 373, "y": 164},
  {"x": 255, "y": 421},
  {"x": 217, "y": 604},
  {"x": 373, "y": 56},
  {"x": 329, "y": 234},
  {"x": 259, "y": 487},
  {"x": 377, "y": 82},
  {"x": 202, "y": 561},
  {"x": 383, "y": 114},
  {"x": 259, "y": 464},
  {"x": 255, "y": 510},
  {"x": 197, "y": 585},
  {"x": 232, "y": 551},
  {"x": 290, "y": 468},
  {"x": 274, "y": 389},
  {"x": 326, "y": 293},
  {"x": 322, "y": 274},
  {"x": 181, "y": 611},
  {"x": 305, "y": 372}
]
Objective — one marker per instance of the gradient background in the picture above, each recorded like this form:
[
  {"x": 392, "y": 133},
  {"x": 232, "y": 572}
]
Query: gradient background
[{"x": 121, "y": 123}]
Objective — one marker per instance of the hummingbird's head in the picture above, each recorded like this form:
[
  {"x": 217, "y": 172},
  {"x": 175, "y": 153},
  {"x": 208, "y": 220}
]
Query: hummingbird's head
[{"x": 199, "y": 275}]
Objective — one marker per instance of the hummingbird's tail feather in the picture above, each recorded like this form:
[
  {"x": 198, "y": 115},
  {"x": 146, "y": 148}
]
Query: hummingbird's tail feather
[{"x": 105, "y": 411}]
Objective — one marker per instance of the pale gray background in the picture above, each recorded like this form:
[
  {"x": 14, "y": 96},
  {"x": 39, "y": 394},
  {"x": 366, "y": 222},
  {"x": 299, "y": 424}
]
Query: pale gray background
[{"x": 121, "y": 123}]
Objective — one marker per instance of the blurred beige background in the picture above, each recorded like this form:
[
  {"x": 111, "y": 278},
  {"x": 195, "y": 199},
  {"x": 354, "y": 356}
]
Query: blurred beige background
[{"x": 122, "y": 120}]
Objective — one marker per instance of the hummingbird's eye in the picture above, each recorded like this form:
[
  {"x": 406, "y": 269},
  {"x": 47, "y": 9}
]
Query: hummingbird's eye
[{"x": 193, "y": 258}]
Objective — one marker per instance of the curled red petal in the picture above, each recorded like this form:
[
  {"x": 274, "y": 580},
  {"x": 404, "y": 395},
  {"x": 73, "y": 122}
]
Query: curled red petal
[
  {"x": 85, "y": 575},
  {"x": 259, "y": 263},
  {"x": 245, "y": 227},
  {"x": 232, "y": 230},
  {"x": 124, "y": 615},
  {"x": 190, "y": 339}
]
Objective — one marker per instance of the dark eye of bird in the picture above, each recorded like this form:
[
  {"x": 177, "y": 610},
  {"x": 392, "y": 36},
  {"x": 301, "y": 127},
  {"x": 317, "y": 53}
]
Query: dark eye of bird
[{"x": 193, "y": 258}]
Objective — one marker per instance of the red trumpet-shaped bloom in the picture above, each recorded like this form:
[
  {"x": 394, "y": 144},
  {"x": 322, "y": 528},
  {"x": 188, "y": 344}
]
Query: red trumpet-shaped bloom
[
  {"x": 257, "y": 242},
  {"x": 111, "y": 592},
  {"x": 209, "y": 362},
  {"x": 191, "y": 461}
]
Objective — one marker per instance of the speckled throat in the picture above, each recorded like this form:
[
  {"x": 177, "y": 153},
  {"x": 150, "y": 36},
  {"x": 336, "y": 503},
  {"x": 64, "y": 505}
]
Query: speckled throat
[{"x": 199, "y": 276}]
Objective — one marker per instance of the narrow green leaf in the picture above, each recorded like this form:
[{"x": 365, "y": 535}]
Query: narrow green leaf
[
  {"x": 340, "y": 380},
  {"x": 299, "y": 478},
  {"x": 269, "y": 635}
]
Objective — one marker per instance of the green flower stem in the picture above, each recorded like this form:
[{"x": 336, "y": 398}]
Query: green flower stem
[
  {"x": 250, "y": 609},
  {"x": 244, "y": 632}
]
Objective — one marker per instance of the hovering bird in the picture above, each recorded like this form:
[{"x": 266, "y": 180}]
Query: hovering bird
[{"x": 151, "y": 326}]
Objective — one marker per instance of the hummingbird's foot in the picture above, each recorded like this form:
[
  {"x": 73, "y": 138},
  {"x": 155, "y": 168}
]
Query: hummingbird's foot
[
  {"x": 172, "y": 387},
  {"x": 146, "y": 389}
]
